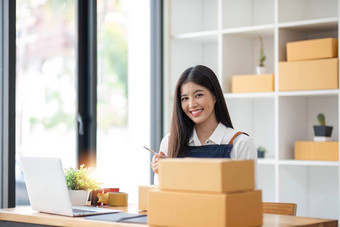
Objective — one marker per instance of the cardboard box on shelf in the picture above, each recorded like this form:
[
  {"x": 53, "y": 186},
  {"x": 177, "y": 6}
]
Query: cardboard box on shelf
[
  {"x": 312, "y": 49},
  {"x": 144, "y": 196},
  {"x": 168, "y": 208},
  {"x": 206, "y": 174},
  {"x": 252, "y": 83},
  {"x": 317, "y": 151},
  {"x": 308, "y": 75}
]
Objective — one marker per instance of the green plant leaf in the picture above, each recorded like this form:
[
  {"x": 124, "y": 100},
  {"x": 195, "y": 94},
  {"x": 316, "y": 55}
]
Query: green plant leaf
[
  {"x": 262, "y": 56},
  {"x": 321, "y": 119},
  {"x": 261, "y": 149},
  {"x": 81, "y": 179}
]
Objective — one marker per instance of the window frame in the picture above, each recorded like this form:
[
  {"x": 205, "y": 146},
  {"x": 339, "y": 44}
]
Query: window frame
[
  {"x": 7, "y": 102},
  {"x": 86, "y": 82},
  {"x": 157, "y": 72}
]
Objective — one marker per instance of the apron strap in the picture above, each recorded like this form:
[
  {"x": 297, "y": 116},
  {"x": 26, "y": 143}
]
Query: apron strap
[{"x": 236, "y": 135}]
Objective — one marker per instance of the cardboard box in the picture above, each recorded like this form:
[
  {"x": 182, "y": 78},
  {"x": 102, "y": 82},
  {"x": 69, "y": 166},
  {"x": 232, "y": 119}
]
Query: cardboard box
[
  {"x": 94, "y": 194},
  {"x": 168, "y": 208},
  {"x": 308, "y": 75},
  {"x": 206, "y": 174},
  {"x": 252, "y": 83},
  {"x": 118, "y": 199},
  {"x": 320, "y": 151},
  {"x": 144, "y": 196},
  {"x": 113, "y": 198},
  {"x": 312, "y": 49}
]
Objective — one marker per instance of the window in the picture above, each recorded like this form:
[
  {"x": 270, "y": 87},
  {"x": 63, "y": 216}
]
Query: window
[
  {"x": 45, "y": 85},
  {"x": 123, "y": 108},
  {"x": 46, "y": 88}
]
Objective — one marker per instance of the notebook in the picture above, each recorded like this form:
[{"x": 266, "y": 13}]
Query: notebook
[
  {"x": 121, "y": 217},
  {"x": 47, "y": 189}
]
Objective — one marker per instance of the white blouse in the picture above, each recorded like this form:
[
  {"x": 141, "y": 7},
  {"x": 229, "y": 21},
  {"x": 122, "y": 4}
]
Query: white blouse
[{"x": 243, "y": 146}]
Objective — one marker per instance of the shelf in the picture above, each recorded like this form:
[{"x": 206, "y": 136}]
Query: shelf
[
  {"x": 256, "y": 117},
  {"x": 312, "y": 25},
  {"x": 307, "y": 163},
  {"x": 240, "y": 55},
  {"x": 223, "y": 34},
  {"x": 292, "y": 10},
  {"x": 265, "y": 161},
  {"x": 332, "y": 92},
  {"x": 311, "y": 93},
  {"x": 298, "y": 114},
  {"x": 191, "y": 15},
  {"x": 247, "y": 13},
  {"x": 204, "y": 36},
  {"x": 251, "y": 31},
  {"x": 249, "y": 95}
]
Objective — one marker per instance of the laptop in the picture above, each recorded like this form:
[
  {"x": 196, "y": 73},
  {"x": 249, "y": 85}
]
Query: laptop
[{"x": 47, "y": 189}]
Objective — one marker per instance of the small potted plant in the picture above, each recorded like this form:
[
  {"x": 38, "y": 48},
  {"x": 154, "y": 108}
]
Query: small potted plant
[
  {"x": 80, "y": 182},
  {"x": 261, "y": 151},
  {"x": 260, "y": 69},
  {"x": 322, "y": 131}
]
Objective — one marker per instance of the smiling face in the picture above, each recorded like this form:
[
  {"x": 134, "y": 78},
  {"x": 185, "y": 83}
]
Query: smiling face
[{"x": 198, "y": 103}]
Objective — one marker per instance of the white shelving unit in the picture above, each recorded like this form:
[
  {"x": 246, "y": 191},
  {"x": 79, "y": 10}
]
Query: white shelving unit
[{"x": 223, "y": 34}]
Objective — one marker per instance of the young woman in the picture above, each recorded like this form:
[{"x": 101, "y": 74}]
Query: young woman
[{"x": 201, "y": 125}]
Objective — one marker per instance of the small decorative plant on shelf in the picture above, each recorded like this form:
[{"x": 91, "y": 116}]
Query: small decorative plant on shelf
[
  {"x": 260, "y": 69},
  {"x": 261, "y": 152},
  {"x": 80, "y": 182},
  {"x": 322, "y": 132}
]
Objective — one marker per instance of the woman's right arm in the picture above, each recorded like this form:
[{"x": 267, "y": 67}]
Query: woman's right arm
[
  {"x": 163, "y": 151},
  {"x": 155, "y": 161}
]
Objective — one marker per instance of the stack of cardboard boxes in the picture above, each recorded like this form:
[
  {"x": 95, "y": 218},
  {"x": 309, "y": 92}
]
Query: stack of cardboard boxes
[
  {"x": 143, "y": 194},
  {"x": 205, "y": 192},
  {"x": 310, "y": 65}
]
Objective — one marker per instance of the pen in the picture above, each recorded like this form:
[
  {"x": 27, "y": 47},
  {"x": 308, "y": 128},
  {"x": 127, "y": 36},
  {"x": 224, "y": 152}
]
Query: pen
[{"x": 150, "y": 150}]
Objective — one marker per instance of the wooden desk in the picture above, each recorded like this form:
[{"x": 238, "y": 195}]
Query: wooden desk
[{"x": 26, "y": 215}]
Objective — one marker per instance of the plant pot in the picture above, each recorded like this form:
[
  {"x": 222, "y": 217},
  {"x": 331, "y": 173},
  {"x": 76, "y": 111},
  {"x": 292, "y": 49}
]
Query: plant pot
[
  {"x": 78, "y": 197},
  {"x": 260, "y": 70},
  {"x": 325, "y": 131},
  {"x": 260, "y": 154}
]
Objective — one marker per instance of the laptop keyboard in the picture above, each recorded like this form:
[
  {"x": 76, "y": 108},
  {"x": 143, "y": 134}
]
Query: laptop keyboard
[{"x": 78, "y": 211}]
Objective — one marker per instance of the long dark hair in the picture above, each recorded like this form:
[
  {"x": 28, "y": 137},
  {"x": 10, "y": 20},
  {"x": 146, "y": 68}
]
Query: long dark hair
[{"x": 181, "y": 125}]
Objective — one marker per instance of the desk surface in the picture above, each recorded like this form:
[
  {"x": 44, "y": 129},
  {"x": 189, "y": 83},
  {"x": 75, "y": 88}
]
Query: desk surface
[{"x": 26, "y": 215}]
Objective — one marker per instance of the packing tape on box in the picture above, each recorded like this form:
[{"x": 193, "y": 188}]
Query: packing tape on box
[{"x": 113, "y": 198}]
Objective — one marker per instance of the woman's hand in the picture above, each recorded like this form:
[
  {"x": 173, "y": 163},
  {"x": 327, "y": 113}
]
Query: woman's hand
[{"x": 155, "y": 161}]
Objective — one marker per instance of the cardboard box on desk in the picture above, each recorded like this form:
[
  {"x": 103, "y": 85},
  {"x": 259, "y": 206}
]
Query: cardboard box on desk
[
  {"x": 206, "y": 175},
  {"x": 144, "y": 196},
  {"x": 113, "y": 198},
  {"x": 320, "y": 151},
  {"x": 312, "y": 49},
  {"x": 308, "y": 75},
  {"x": 93, "y": 194},
  {"x": 169, "y": 208},
  {"x": 118, "y": 199},
  {"x": 252, "y": 83}
]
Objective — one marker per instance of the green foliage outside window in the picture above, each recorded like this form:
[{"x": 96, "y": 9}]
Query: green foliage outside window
[
  {"x": 112, "y": 53},
  {"x": 113, "y": 77}
]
